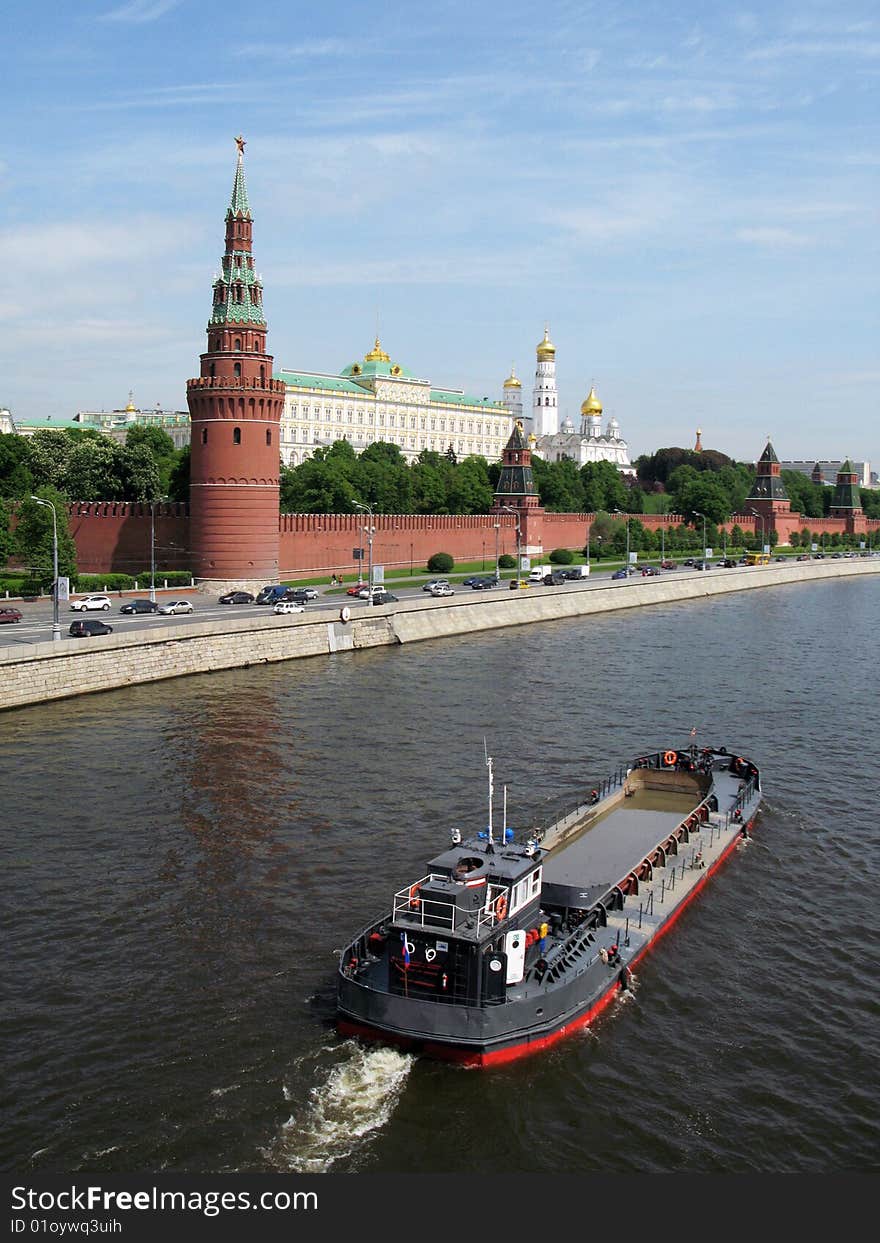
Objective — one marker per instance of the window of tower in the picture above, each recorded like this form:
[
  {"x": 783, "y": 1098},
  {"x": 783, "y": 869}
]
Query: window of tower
[
  {"x": 212, "y": 371},
  {"x": 236, "y": 435},
  {"x": 238, "y": 343},
  {"x": 262, "y": 374},
  {"x": 204, "y": 435},
  {"x": 237, "y": 370},
  {"x": 268, "y": 435}
]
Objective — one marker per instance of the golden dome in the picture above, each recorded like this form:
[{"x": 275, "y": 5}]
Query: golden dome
[
  {"x": 131, "y": 408},
  {"x": 592, "y": 405},
  {"x": 512, "y": 381},
  {"x": 377, "y": 354},
  {"x": 546, "y": 348}
]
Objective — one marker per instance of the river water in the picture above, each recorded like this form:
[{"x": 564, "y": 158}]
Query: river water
[{"x": 181, "y": 860}]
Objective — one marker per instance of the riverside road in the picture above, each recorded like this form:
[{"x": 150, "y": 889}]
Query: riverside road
[{"x": 36, "y": 623}]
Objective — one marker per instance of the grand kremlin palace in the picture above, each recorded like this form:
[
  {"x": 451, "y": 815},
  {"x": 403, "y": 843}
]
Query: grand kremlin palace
[{"x": 378, "y": 399}]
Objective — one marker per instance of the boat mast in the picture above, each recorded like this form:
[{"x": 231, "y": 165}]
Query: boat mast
[{"x": 491, "y": 787}]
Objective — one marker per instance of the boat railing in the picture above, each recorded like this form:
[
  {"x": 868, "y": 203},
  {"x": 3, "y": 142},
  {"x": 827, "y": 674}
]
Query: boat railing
[{"x": 409, "y": 905}]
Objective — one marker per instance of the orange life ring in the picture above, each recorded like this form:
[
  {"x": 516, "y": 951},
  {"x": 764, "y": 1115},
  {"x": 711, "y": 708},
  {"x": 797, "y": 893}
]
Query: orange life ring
[
  {"x": 669, "y": 758},
  {"x": 500, "y": 907},
  {"x": 414, "y": 899}
]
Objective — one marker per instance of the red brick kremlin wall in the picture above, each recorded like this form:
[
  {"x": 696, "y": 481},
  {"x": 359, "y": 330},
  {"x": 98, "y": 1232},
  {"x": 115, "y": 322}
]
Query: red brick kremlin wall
[{"x": 115, "y": 536}]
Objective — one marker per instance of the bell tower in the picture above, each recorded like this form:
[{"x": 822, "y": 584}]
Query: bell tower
[{"x": 235, "y": 411}]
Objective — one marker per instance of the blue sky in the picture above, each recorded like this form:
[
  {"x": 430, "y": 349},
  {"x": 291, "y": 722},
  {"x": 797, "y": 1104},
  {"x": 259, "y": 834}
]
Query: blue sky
[{"x": 686, "y": 193}]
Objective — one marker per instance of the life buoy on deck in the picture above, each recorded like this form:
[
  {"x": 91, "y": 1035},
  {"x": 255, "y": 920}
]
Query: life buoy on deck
[
  {"x": 669, "y": 758},
  {"x": 500, "y": 907},
  {"x": 414, "y": 899}
]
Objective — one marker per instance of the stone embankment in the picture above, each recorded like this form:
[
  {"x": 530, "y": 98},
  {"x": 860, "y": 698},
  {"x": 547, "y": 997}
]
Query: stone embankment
[{"x": 46, "y": 671}]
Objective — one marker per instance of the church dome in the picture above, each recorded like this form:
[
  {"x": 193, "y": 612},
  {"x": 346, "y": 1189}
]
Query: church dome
[
  {"x": 592, "y": 405},
  {"x": 567, "y": 425},
  {"x": 377, "y": 354},
  {"x": 512, "y": 381},
  {"x": 546, "y": 348}
]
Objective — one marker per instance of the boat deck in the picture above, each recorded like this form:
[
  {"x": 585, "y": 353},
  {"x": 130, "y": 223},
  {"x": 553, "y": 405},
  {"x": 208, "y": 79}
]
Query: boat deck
[{"x": 618, "y": 841}]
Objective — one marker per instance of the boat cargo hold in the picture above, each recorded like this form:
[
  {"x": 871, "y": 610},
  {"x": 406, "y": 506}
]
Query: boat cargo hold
[{"x": 505, "y": 946}]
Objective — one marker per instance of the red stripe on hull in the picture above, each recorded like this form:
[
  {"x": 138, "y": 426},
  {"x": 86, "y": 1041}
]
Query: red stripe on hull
[{"x": 497, "y": 1057}]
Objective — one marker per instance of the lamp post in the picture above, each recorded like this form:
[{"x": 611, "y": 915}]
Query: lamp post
[
  {"x": 153, "y": 503},
  {"x": 697, "y": 514},
  {"x": 515, "y": 513},
  {"x": 760, "y": 518},
  {"x": 589, "y": 529},
  {"x": 369, "y": 532},
  {"x": 56, "y": 627},
  {"x": 497, "y": 534},
  {"x": 626, "y": 516}
]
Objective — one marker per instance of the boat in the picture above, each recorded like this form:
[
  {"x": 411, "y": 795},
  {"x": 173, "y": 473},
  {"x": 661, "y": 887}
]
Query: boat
[{"x": 506, "y": 946}]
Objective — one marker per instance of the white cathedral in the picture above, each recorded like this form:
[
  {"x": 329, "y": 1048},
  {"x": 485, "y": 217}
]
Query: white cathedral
[{"x": 553, "y": 441}]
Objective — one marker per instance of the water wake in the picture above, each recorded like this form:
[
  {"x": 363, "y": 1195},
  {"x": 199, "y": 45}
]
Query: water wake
[{"x": 355, "y": 1097}]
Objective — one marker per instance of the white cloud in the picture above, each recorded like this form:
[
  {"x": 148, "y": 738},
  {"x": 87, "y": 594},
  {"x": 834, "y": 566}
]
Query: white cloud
[
  {"x": 140, "y": 11},
  {"x": 772, "y": 236},
  {"x": 783, "y": 48}
]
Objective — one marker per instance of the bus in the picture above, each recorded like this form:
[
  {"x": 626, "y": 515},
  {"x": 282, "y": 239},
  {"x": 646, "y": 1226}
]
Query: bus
[{"x": 757, "y": 558}]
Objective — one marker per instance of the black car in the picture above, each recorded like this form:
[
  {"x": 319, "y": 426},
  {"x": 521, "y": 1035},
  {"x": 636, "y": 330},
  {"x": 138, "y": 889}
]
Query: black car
[
  {"x": 140, "y": 606},
  {"x": 556, "y": 579},
  {"x": 300, "y": 595},
  {"x": 236, "y": 597},
  {"x": 384, "y": 597},
  {"x": 482, "y": 584},
  {"x": 86, "y": 626}
]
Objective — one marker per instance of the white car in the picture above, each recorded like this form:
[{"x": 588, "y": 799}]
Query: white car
[
  {"x": 87, "y": 603},
  {"x": 435, "y": 582},
  {"x": 442, "y": 589},
  {"x": 366, "y": 592},
  {"x": 175, "y": 606},
  {"x": 288, "y": 606}
]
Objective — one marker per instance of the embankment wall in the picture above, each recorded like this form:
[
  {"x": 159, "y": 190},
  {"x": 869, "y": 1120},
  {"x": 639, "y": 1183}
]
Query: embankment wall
[{"x": 47, "y": 671}]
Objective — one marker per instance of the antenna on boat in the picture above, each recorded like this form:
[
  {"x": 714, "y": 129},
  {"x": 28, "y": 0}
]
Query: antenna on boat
[
  {"x": 491, "y": 788},
  {"x": 504, "y": 818}
]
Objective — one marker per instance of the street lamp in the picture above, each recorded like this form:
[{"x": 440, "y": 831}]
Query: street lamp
[
  {"x": 760, "y": 518},
  {"x": 497, "y": 533},
  {"x": 515, "y": 513},
  {"x": 622, "y": 515},
  {"x": 153, "y": 504},
  {"x": 369, "y": 531},
  {"x": 56, "y": 627},
  {"x": 697, "y": 514}
]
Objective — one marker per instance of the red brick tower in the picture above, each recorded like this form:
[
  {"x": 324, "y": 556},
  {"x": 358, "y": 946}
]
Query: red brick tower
[
  {"x": 235, "y": 408},
  {"x": 516, "y": 491}
]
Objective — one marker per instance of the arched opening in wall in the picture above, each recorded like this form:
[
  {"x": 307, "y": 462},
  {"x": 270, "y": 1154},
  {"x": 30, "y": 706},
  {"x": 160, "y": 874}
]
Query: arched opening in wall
[
  {"x": 268, "y": 435},
  {"x": 236, "y": 435},
  {"x": 262, "y": 374},
  {"x": 237, "y": 370},
  {"x": 204, "y": 435},
  {"x": 237, "y": 343},
  {"x": 212, "y": 371}
]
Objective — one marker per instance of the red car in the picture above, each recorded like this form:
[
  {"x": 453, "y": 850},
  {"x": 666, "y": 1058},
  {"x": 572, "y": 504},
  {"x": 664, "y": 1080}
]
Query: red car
[
  {"x": 9, "y": 615},
  {"x": 352, "y": 591}
]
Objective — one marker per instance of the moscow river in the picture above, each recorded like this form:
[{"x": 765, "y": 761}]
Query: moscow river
[{"x": 181, "y": 860}]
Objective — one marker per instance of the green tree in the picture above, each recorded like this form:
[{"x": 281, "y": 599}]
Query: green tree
[
  {"x": 470, "y": 491},
  {"x": 6, "y": 542},
  {"x": 178, "y": 482},
  {"x": 16, "y": 478},
  {"x": 32, "y": 542},
  {"x": 161, "y": 448},
  {"x": 603, "y": 488}
]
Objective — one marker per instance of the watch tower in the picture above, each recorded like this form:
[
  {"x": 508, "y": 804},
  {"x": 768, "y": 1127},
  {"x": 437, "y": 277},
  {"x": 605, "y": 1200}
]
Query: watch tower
[{"x": 235, "y": 410}]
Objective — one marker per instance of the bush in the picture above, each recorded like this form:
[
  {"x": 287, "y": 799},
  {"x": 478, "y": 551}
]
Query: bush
[
  {"x": 31, "y": 587},
  {"x": 506, "y": 561},
  {"x": 440, "y": 563},
  {"x": 102, "y": 582},
  {"x": 562, "y": 556},
  {"x": 174, "y": 578}
]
